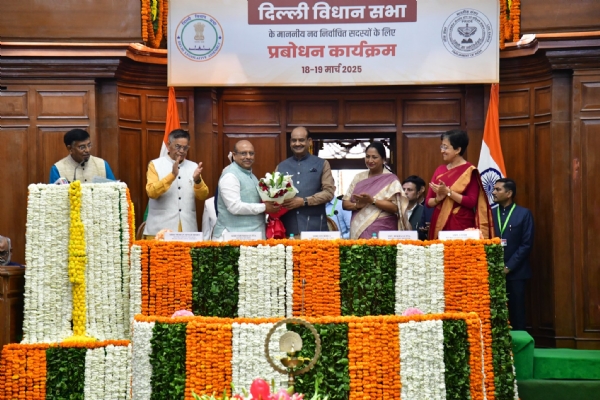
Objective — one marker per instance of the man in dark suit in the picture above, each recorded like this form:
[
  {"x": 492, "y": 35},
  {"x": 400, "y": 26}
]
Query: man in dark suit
[
  {"x": 514, "y": 225},
  {"x": 414, "y": 187}
]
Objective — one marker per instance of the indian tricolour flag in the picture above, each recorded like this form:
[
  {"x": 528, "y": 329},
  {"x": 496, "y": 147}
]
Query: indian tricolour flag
[
  {"x": 491, "y": 162},
  {"x": 171, "y": 123}
]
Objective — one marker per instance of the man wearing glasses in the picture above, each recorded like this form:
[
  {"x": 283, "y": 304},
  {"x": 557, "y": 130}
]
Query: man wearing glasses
[
  {"x": 79, "y": 164},
  {"x": 6, "y": 252},
  {"x": 173, "y": 186},
  {"x": 239, "y": 206}
]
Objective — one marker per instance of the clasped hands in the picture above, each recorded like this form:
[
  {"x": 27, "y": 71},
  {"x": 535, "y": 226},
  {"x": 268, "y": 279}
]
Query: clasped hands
[
  {"x": 441, "y": 191},
  {"x": 362, "y": 200}
]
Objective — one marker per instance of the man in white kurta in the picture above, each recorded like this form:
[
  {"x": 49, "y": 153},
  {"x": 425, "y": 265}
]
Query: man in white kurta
[{"x": 173, "y": 186}]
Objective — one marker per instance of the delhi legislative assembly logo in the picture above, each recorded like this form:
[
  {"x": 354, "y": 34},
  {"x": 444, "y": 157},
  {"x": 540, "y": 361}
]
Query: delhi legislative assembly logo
[
  {"x": 467, "y": 33},
  {"x": 488, "y": 179},
  {"x": 199, "y": 37}
]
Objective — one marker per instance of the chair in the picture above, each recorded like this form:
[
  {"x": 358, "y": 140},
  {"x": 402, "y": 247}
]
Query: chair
[{"x": 332, "y": 225}]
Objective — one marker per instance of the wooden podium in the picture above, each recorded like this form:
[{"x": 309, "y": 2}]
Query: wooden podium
[{"x": 12, "y": 288}]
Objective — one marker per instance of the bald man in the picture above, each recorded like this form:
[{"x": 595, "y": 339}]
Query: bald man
[
  {"x": 238, "y": 204},
  {"x": 6, "y": 252}
]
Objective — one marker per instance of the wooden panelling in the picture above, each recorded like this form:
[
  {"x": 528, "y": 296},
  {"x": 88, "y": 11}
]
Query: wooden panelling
[
  {"x": 156, "y": 109},
  {"x": 312, "y": 113},
  {"x": 590, "y": 96},
  {"x": 251, "y": 113},
  {"x": 51, "y": 148},
  {"x": 589, "y": 291},
  {"x": 130, "y": 107},
  {"x": 432, "y": 112},
  {"x": 539, "y": 16},
  {"x": 132, "y": 166},
  {"x": 543, "y": 101},
  {"x": 370, "y": 113},
  {"x": 265, "y": 159},
  {"x": 514, "y": 104},
  {"x": 63, "y": 104},
  {"x": 516, "y": 151},
  {"x": 15, "y": 171},
  {"x": 71, "y": 21},
  {"x": 14, "y": 104},
  {"x": 12, "y": 287},
  {"x": 421, "y": 154}
]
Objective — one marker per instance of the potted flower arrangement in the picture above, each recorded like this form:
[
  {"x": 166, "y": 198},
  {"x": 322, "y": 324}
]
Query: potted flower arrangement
[{"x": 261, "y": 390}]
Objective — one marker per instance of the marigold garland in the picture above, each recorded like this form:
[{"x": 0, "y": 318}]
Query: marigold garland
[
  {"x": 131, "y": 218},
  {"x": 148, "y": 34},
  {"x": 208, "y": 358},
  {"x": 145, "y": 12},
  {"x": 317, "y": 278},
  {"x": 77, "y": 259}
]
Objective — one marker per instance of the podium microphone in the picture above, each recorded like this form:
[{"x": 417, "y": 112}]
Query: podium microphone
[
  {"x": 321, "y": 224},
  {"x": 307, "y": 221},
  {"x": 337, "y": 216}
]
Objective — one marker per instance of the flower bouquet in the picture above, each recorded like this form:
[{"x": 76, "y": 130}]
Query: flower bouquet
[{"x": 276, "y": 187}]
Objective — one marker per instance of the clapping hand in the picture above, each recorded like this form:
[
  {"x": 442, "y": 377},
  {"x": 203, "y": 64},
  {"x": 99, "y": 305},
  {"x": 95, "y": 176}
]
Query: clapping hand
[
  {"x": 441, "y": 190},
  {"x": 175, "y": 170},
  {"x": 197, "y": 172},
  {"x": 362, "y": 200}
]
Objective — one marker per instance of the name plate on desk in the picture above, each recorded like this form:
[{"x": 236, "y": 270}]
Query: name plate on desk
[
  {"x": 455, "y": 235},
  {"x": 399, "y": 235},
  {"x": 320, "y": 235},
  {"x": 227, "y": 236},
  {"x": 183, "y": 237}
]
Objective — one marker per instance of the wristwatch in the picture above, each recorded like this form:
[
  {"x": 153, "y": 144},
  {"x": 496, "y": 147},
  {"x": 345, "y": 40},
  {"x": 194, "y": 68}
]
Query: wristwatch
[
  {"x": 305, "y": 202},
  {"x": 449, "y": 193},
  {"x": 374, "y": 200}
]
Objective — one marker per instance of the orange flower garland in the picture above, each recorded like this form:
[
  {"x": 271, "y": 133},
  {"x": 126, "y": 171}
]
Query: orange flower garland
[
  {"x": 145, "y": 13},
  {"x": 131, "y": 218},
  {"x": 515, "y": 16},
  {"x": 169, "y": 278},
  {"x": 317, "y": 278},
  {"x": 475, "y": 364},
  {"x": 208, "y": 358},
  {"x": 502, "y": 23}
]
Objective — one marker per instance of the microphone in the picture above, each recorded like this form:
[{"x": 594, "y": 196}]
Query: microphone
[
  {"x": 321, "y": 224},
  {"x": 337, "y": 216},
  {"x": 82, "y": 164},
  {"x": 307, "y": 220}
]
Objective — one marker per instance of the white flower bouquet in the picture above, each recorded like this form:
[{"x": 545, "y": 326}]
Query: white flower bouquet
[{"x": 276, "y": 187}]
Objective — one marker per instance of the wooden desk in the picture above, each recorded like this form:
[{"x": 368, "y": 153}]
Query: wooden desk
[{"x": 12, "y": 288}]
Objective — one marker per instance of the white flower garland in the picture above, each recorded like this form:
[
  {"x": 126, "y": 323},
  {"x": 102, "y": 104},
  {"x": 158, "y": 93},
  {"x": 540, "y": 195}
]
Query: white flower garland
[
  {"x": 262, "y": 281},
  {"x": 48, "y": 297},
  {"x": 289, "y": 281},
  {"x": 141, "y": 368},
  {"x": 135, "y": 282},
  {"x": 95, "y": 361},
  {"x": 115, "y": 372},
  {"x": 422, "y": 369},
  {"x": 125, "y": 269},
  {"x": 105, "y": 280},
  {"x": 248, "y": 360},
  {"x": 420, "y": 278}
]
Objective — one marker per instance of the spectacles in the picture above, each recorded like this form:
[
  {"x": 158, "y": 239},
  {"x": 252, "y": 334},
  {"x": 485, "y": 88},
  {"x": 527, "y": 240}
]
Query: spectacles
[
  {"x": 245, "y": 153},
  {"x": 4, "y": 253},
  {"x": 179, "y": 147},
  {"x": 444, "y": 147},
  {"x": 82, "y": 147}
]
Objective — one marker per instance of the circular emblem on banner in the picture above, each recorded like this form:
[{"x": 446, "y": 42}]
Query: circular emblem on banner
[
  {"x": 199, "y": 37},
  {"x": 488, "y": 179},
  {"x": 467, "y": 33}
]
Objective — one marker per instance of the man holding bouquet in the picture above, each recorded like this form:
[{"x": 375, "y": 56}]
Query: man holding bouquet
[
  {"x": 239, "y": 206},
  {"x": 314, "y": 182}
]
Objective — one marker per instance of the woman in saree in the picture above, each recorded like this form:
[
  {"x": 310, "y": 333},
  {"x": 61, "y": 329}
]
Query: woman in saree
[
  {"x": 375, "y": 198},
  {"x": 456, "y": 193}
]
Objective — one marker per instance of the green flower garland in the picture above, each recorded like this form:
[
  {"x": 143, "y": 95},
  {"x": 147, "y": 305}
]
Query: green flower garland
[
  {"x": 456, "y": 360},
  {"x": 168, "y": 361},
  {"x": 65, "y": 373}
]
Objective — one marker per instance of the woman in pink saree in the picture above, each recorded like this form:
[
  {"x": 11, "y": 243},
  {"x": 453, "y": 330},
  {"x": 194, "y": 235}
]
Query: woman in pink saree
[
  {"x": 456, "y": 192},
  {"x": 375, "y": 198}
]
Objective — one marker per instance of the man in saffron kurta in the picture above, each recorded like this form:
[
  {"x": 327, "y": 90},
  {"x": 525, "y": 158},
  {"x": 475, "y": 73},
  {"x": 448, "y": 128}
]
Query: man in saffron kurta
[
  {"x": 239, "y": 206},
  {"x": 79, "y": 164},
  {"x": 173, "y": 186}
]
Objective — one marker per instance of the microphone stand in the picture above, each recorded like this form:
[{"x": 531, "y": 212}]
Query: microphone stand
[{"x": 337, "y": 216}]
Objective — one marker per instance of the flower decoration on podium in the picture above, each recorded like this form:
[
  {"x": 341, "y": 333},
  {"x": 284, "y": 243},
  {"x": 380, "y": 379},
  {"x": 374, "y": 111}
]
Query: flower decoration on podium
[{"x": 276, "y": 187}]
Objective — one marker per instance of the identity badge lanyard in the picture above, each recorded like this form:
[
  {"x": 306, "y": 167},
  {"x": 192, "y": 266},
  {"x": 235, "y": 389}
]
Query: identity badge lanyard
[
  {"x": 333, "y": 208},
  {"x": 503, "y": 227}
]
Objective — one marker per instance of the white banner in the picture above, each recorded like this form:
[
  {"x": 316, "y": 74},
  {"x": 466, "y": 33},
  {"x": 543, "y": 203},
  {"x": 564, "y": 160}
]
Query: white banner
[{"x": 332, "y": 43}]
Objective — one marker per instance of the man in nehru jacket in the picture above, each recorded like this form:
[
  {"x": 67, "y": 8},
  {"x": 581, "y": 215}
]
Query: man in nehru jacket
[
  {"x": 514, "y": 224},
  {"x": 238, "y": 204},
  {"x": 312, "y": 177},
  {"x": 173, "y": 186},
  {"x": 79, "y": 164}
]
